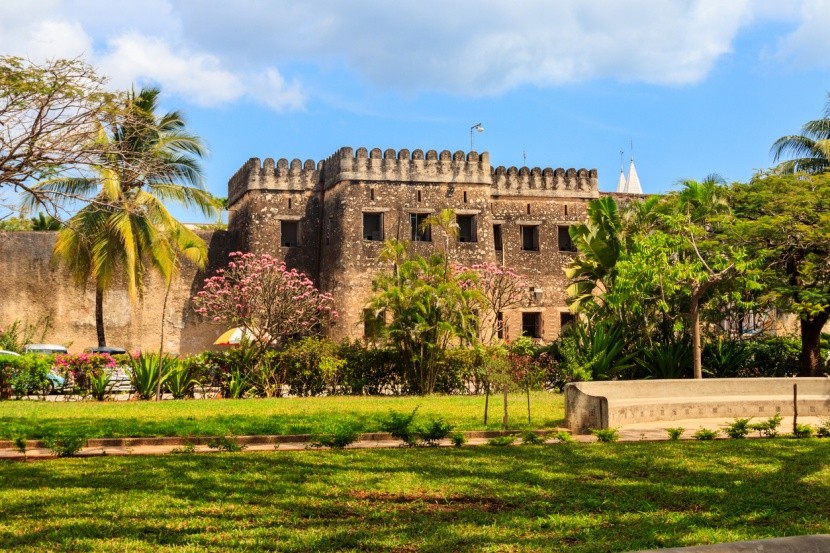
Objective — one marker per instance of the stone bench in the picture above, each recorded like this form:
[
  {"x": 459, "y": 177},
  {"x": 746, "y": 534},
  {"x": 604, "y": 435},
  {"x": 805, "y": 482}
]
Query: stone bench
[{"x": 619, "y": 403}]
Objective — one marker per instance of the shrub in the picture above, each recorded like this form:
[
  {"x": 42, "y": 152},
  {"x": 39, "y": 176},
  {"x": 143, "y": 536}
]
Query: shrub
[
  {"x": 823, "y": 431},
  {"x": 501, "y": 441},
  {"x": 65, "y": 445},
  {"x": 605, "y": 434},
  {"x": 24, "y": 375},
  {"x": 79, "y": 369},
  {"x": 337, "y": 437},
  {"x": 563, "y": 437},
  {"x": 532, "y": 438},
  {"x": 769, "y": 427},
  {"x": 737, "y": 429},
  {"x": 725, "y": 358},
  {"x": 400, "y": 426},
  {"x": 180, "y": 378},
  {"x": 771, "y": 356},
  {"x": 458, "y": 439},
  {"x": 20, "y": 444},
  {"x": 144, "y": 374},
  {"x": 667, "y": 360},
  {"x": 803, "y": 431},
  {"x": 675, "y": 433},
  {"x": 225, "y": 443},
  {"x": 706, "y": 434},
  {"x": 434, "y": 431},
  {"x": 99, "y": 385}
]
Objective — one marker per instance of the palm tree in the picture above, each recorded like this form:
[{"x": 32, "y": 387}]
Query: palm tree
[
  {"x": 126, "y": 228},
  {"x": 810, "y": 149}
]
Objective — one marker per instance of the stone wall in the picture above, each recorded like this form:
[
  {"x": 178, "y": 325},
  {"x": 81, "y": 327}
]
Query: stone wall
[
  {"x": 34, "y": 287},
  {"x": 329, "y": 199}
]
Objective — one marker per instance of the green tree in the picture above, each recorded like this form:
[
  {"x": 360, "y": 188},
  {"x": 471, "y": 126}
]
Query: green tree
[
  {"x": 125, "y": 227},
  {"x": 784, "y": 221},
  {"x": 430, "y": 308},
  {"x": 810, "y": 150}
]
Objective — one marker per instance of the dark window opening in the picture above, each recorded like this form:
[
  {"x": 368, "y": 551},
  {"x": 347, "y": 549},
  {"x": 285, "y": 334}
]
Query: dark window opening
[
  {"x": 372, "y": 324},
  {"x": 290, "y": 233},
  {"x": 565, "y": 318},
  {"x": 565, "y": 242},
  {"x": 373, "y": 226},
  {"x": 372, "y": 194},
  {"x": 419, "y": 231},
  {"x": 418, "y": 194},
  {"x": 289, "y": 203},
  {"x": 467, "y": 228},
  {"x": 497, "y": 239},
  {"x": 532, "y": 325},
  {"x": 465, "y": 196},
  {"x": 530, "y": 238},
  {"x": 566, "y": 209},
  {"x": 528, "y": 209},
  {"x": 500, "y": 325}
]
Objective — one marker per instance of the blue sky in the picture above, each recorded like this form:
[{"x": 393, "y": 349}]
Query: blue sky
[{"x": 698, "y": 86}]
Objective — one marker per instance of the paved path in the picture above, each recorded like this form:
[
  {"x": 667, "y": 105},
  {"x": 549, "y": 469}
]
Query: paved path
[{"x": 650, "y": 431}]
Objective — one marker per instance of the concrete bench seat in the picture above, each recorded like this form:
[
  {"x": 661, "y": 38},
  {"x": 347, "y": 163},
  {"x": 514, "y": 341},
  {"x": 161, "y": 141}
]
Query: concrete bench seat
[{"x": 613, "y": 404}]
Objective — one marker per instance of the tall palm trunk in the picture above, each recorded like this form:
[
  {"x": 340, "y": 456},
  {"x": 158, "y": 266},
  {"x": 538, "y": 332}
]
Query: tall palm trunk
[{"x": 99, "y": 316}]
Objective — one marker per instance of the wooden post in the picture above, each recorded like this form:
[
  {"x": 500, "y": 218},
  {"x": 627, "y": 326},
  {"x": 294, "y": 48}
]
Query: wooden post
[{"x": 795, "y": 408}]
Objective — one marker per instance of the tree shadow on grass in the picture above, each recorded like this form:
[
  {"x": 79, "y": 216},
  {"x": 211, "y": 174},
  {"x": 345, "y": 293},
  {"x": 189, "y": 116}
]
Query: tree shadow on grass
[{"x": 601, "y": 497}]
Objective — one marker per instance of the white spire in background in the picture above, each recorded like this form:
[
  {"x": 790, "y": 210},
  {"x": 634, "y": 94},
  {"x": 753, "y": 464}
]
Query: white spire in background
[
  {"x": 630, "y": 185},
  {"x": 633, "y": 184}
]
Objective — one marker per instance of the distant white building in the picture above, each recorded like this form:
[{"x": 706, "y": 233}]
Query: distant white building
[{"x": 630, "y": 185}]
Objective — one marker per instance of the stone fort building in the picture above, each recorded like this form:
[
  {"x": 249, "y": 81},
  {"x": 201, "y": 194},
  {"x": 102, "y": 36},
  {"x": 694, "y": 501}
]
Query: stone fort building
[{"x": 329, "y": 219}]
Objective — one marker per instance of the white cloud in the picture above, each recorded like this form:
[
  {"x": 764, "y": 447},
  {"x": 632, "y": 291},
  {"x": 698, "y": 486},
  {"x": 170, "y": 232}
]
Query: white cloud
[{"x": 806, "y": 47}]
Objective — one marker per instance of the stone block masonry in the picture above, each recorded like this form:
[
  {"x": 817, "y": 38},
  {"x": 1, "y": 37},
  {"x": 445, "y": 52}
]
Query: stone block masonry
[{"x": 329, "y": 219}]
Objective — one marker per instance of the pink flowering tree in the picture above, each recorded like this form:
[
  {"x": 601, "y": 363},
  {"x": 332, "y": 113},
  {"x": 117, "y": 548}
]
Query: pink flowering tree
[
  {"x": 503, "y": 288},
  {"x": 269, "y": 301}
]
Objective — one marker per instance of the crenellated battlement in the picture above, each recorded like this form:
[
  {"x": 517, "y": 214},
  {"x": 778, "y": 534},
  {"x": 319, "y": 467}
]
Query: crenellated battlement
[
  {"x": 580, "y": 183},
  {"x": 405, "y": 166},
  {"x": 282, "y": 176}
]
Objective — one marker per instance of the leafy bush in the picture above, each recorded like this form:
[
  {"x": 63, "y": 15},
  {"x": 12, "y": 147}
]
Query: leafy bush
[
  {"x": 79, "y": 369},
  {"x": 337, "y": 437},
  {"x": 434, "y": 431},
  {"x": 99, "y": 385},
  {"x": 400, "y": 426},
  {"x": 738, "y": 429},
  {"x": 706, "y": 434},
  {"x": 605, "y": 434},
  {"x": 501, "y": 441},
  {"x": 458, "y": 439},
  {"x": 563, "y": 437},
  {"x": 225, "y": 443},
  {"x": 20, "y": 444},
  {"x": 16, "y": 335},
  {"x": 65, "y": 445},
  {"x": 594, "y": 352},
  {"x": 823, "y": 431},
  {"x": 532, "y": 438},
  {"x": 803, "y": 431},
  {"x": 24, "y": 375},
  {"x": 769, "y": 427},
  {"x": 771, "y": 356},
  {"x": 725, "y": 358},
  {"x": 675, "y": 433}
]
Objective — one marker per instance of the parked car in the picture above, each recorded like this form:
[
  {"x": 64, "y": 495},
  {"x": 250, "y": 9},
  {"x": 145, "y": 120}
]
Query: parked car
[
  {"x": 56, "y": 381},
  {"x": 46, "y": 349},
  {"x": 106, "y": 349}
]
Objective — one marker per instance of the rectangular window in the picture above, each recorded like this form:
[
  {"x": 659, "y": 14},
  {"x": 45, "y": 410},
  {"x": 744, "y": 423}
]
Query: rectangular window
[
  {"x": 497, "y": 239},
  {"x": 372, "y": 324},
  {"x": 373, "y": 226},
  {"x": 532, "y": 325},
  {"x": 290, "y": 233},
  {"x": 565, "y": 318},
  {"x": 565, "y": 242},
  {"x": 530, "y": 238},
  {"x": 500, "y": 325},
  {"x": 466, "y": 228},
  {"x": 420, "y": 232}
]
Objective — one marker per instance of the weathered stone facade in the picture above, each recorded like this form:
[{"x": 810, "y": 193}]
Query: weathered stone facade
[{"x": 329, "y": 219}]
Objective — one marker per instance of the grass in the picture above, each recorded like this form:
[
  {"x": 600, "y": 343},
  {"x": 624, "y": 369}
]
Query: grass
[
  {"x": 117, "y": 419},
  {"x": 575, "y": 498}
]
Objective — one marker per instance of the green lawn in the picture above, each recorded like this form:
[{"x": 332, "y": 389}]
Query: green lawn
[
  {"x": 575, "y": 498},
  {"x": 112, "y": 419}
]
